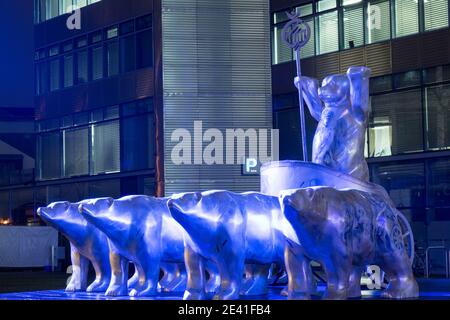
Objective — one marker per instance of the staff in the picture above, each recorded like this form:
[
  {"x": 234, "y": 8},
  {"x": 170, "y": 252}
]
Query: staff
[{"x": 296, "y": 34}]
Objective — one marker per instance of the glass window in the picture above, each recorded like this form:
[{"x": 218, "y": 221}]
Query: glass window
[
  {"x": 135, "y": 108},
  {"x": 76, "y": 152},
  {"x": 353, "y": 27},
  {"x": 287, "y": 121},
  {"x": 407, "y": 79},
  {"x": 81, "y": 42},
  {"x": 378, "y": 21},
  {"x": 323, "y": 5},
  {"x": 67, "y": 121},
  {"x": 112, "y": 56},
  {"x": 79, "y": 3},
  {"x": 111, "y": 113},
  {"x": 436, "y": 74},
  {"x": 97, "y": 63},
  {"x": 406, "y": 17},
  {"x": 279, "y": 17},
  {"x": 96, "y": 37},
  {"x": 309, "y": 49},
  {"x": 439, "y": 183},
  {"x": 53, "y": 51},
  {"x": 404, "y": 181},
  {"x": 128, "y": 53},
  {"x": 54, "y": 74},
  {"x": 112, "y": 32},
  {"x": 51, "y": 9},
  {"x": 106, "y": 148},
  {"x": 327, "y": 32},
  {"x": 65, "y": 6},
  {"x": 380, "y": 84},
  {"x": 144, "y": 22},
  {"x": 305, "y": 10},
  {"x": 280, "y": 51},
  {"x": 435, "y": 14},
  {"x": 4, "y": 205},
  {"x": 49, "y": 155},
  {"x": 105, "y": 188},
  {"x": 82, "y": 66},
  {"x": 126, "y": 27},
  {"x": 68, "y": 46},
  {"x": 97, "y": 115},
  {"x": 42, "y": 78},
  {"x": 138, "y": 151},
  {"x": 396, "y": 124},
  {"x": 81, "y": 118},
  {"x": 437, "y": 109},
  {"x": 22, "y": 207},
  {"x": 144, "y": 45},
  {"x": 68, "y": 71}
]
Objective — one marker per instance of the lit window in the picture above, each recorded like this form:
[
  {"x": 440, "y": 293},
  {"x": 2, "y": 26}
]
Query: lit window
[
  {"x": 280, "y": 51},
  {"x": 353, "y": 27},
  {"x": 106, "y": 148},
  {"x": 327, "y": 35},
  {"x": 406, "y": 17},
  {"x": 97, "y": 63},
  {"x": 378, "y": 21},
  {"x": 436, "y": 14},
  {"x": 324, "y": 5}
]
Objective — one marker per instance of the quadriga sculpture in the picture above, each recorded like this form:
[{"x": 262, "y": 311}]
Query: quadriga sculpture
[
  {"x": 230, "y": 230},
  {"x": 87, "y": 243},
  {"x": 346, "y": 230}
]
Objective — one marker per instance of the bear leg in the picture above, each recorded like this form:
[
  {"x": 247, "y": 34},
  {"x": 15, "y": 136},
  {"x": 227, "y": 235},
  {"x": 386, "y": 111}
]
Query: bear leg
[
  {"x": 338, "y": 271},
  {"x": 231, "y": 268},
  {"x": 102, "y": 278},
  {"x": 134, "y": 280},
  {"x": 119, "y": 276},
  {"x": 402, "y": 283},
  {"x": 354, "y": 290},
  {"x": 170, "y": 271},
  {"x": 300, "y": 278},
  {"x": 179, "y": 283},
  {"x": 256, "y": 281},
  {"x": 80, "y": 267},
  {"x": 195, "y": 288},
  {"x": 213, "y": 283},
  {"x": 148, "y": 285}
]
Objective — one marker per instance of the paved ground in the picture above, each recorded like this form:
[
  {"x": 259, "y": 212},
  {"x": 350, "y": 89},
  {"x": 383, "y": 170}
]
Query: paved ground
[{"x": 47, "y": 286}]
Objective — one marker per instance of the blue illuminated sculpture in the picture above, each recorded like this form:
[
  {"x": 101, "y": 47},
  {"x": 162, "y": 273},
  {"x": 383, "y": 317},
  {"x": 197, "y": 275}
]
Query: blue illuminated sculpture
[
  {"x": 87, "y": 243},
  {"x": 344, "y": 213},
  {"x": 140, "y": 229},
  {"x": 230, "y": 230},
  {"x": 346, "y": 230}
]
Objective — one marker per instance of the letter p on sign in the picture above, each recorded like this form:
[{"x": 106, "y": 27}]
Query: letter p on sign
[{"x": 251, "y": 166}]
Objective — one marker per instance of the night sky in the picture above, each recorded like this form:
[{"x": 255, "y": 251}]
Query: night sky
[{"x": 16, "y": 53}]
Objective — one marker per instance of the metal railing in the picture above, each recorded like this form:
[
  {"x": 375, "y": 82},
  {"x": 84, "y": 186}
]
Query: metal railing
[{"x": 446, "y": 254}]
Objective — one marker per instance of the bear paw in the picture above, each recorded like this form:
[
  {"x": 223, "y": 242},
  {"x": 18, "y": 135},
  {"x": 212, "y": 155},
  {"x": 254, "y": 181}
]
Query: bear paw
[
  {"x": 73, "y": 288},
  {"x": 297, "y": 295},
  {"x": 406, "y": 290},
  {"x": 116, "y": 291},
  {"x": 194, "y": 295},
  {"x": 98, "y": 286}
]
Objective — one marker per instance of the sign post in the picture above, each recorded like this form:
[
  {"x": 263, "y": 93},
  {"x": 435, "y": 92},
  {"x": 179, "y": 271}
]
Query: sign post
[{"x": 296, "y": 34}]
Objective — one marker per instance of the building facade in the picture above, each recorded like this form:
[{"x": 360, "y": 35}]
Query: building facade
[
  {"x": 111, "y": 89},
  {"x": 406, "y": 43}
]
